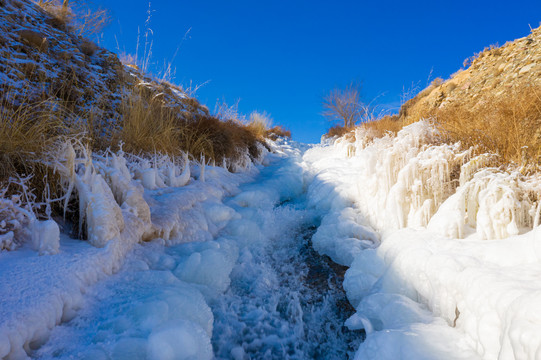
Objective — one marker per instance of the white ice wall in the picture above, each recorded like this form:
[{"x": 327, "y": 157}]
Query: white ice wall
[{"x": 449, "y": 274}]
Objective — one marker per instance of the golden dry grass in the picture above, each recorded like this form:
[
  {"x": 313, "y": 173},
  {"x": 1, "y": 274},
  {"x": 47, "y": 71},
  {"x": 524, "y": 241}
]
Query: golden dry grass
[
  {"x": 338, "y": 130},
  {"x": 259, "y": 124},
  {"x": 27, "y": 132},
  {"x": 385, "y": 124},
  {"x": 508, "y": 125},
  {"x": 30, "y": 132},
  {"x": 278, "y": 131},
  {"x": 79, "y": 16},
  {"x": 146, "y": 126}
]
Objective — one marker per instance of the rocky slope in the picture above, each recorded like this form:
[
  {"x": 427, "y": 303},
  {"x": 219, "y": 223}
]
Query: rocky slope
[
  {"x": 492, "y": 73},
  {"x": 43, "y": 60}
]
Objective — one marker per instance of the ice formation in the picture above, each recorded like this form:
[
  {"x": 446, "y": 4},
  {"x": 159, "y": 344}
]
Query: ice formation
[
  {"x": 443, "y": 254},
  {"x": 459, "y": 253},
  {"x": 123, "y": 200}
]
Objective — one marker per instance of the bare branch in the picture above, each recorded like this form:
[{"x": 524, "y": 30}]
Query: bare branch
[{"x": 344, "y": 105}]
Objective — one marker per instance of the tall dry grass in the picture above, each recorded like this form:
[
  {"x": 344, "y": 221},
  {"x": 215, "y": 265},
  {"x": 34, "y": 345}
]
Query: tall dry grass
[
  {"x": 278, "y": 131},
  {"x": 338, "y": 131},
  {"x": 386, "y": 124},
  {"x": 80, "y": 16},
  {"x": 508, "y": 125},
  {"x": 28, "y": 131},
  {"x": 145, "y": 125},
  {"x": 259, "y": 123}
]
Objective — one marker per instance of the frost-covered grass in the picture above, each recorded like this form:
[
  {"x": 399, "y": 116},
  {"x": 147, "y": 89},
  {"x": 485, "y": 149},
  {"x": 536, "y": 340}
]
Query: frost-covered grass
[
  {"x": 452, "y": 270},
  {"x": 59, "y": 88}
]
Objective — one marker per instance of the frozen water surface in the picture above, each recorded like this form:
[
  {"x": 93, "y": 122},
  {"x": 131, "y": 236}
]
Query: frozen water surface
[{"x": 389, "y": 248}]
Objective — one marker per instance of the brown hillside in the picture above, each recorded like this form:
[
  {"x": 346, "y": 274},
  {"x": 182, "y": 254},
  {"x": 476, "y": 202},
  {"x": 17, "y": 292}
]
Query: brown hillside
[
  {"x": 45, "y": 66},
  {"x": 495, "y": 103}
]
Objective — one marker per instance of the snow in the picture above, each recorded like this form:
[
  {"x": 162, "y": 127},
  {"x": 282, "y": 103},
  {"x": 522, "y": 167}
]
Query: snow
[
  {"x": 39, "y": 293},
  {"x": 187, "y": 260},
  {"x": 456, "y": 274}
]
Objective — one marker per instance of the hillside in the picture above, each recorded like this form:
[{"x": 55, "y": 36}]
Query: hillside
[
  {"x": 49, "y": 71},
  {"x": 491, "y": 74},
  {"x": 495, "y": 103}
]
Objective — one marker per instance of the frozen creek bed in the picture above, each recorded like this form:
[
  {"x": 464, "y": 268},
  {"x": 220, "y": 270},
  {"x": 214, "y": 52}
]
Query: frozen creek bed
[
  {"x": 256, "y": 290},
  {"x": 364, "y": 250}
]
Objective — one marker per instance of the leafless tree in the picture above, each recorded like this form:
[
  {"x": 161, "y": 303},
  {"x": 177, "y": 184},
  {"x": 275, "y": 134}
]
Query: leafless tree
[{"x": 345, "y": 105}]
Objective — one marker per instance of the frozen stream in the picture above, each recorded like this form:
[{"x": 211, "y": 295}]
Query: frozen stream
[
  {"x": 255, "y": 289},
  {"x": 285, "y": 300},
  {"x": 232, "y": 266}
]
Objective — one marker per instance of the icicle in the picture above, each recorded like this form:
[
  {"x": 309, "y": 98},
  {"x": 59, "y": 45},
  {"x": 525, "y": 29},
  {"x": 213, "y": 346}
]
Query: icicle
[
  {"x": 185, "y": 176},
  {"x": 69, "y": 154},
  {"x": 173, "y": 180},
  {"x": 202, "y": 169}
]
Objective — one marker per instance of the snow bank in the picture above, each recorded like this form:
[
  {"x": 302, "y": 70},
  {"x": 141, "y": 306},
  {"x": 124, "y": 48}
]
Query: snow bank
[
  {"x": 156, "y": 307},
  {"x": 123, "y": 200},
  {"x": 456, "y": 272}
]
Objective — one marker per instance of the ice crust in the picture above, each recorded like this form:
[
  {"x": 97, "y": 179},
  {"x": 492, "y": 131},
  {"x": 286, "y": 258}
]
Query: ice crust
[
  {"x": 444, "y": 258},
  {"x": 455, "y": 274},
  {"x": 121, "y": 210}
]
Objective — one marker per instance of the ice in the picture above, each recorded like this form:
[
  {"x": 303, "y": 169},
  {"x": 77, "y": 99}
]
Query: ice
[
  {"x": 45, "y": 237},
  {"x": 129, "y": 349},
  {"x": 118, "y": 213},
  {"x": 210, "y": 268},
  {"x": 179, "y": 341},
  {"x": 443, "y": 256},
  {"x": 103, "y": 215},
  {"x": 457, "y": 248},
  {"x": 6, "y": 241},
  {"x": 177, "y": 181}
]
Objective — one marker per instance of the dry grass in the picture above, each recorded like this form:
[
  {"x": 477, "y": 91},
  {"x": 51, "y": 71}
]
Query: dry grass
[
  {"x": 509, "y": 125},
  {"x": 145, "y": 125},
  {"x": 80, "y": 17},
  {"x": 27, "y": 132},
  {"x": 88, "y": 47},
  {"x": 223, "y": 139},
  {"x": 148, "y": 126},
  {"x": 278, "y": 131},
  {"x": 259, "y": 124},
  {"x": 338, "y": 131},
  {"x": 492, "y": 49},
  {"x": 385, "y": 124}
]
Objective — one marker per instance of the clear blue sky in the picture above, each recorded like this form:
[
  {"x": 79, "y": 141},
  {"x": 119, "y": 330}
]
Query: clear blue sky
[{"x": 283, "y": 56}]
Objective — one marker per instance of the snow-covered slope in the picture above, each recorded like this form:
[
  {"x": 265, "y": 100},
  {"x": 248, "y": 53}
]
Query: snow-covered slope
[{"x": 455, "y": 270}]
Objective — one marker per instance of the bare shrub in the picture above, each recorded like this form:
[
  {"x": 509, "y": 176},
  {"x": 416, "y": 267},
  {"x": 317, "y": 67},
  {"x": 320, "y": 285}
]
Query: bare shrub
[{"x": 344, "y": 105}]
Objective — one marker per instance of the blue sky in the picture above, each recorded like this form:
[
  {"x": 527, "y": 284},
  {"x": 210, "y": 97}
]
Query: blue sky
[{"x": 283, "y": 56}]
